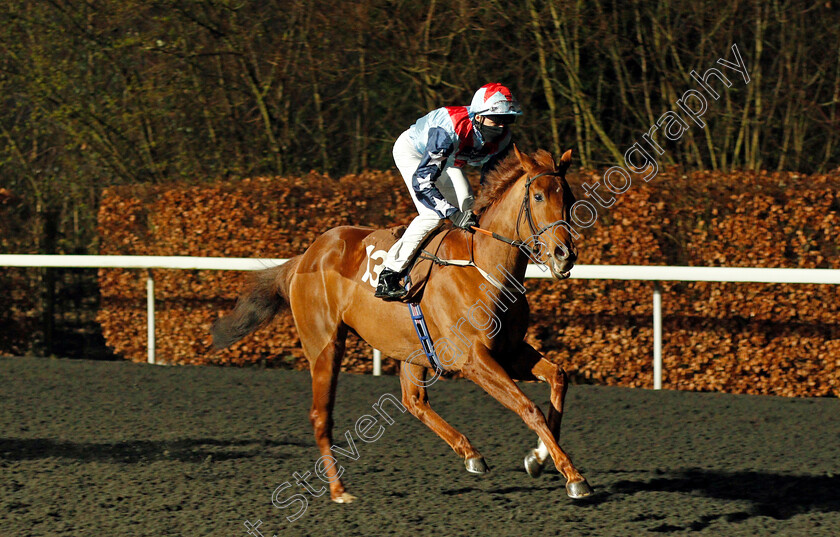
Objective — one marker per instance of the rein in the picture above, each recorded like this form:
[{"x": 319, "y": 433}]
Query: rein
[{"x": 525, "y": 209}]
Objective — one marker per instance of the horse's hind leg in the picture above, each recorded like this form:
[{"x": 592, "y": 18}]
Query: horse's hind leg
[
  {"x": 483, "y": 369},
  {"x": 415, "y": 399},
  {"x": 324, "y": 369}
]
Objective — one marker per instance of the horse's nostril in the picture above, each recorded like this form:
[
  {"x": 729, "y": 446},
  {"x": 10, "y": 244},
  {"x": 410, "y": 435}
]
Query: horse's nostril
[{"x": 566, "y": 254}]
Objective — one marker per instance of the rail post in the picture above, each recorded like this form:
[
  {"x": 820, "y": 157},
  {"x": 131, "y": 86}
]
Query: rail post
[
  {"x": 150, "y": 314},
  {"x": 377, "y": 362},
  {"x": 657, "y": 336}
]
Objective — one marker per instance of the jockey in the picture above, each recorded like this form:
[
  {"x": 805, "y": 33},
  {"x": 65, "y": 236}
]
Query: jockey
[{"x": 430, "y": 155}]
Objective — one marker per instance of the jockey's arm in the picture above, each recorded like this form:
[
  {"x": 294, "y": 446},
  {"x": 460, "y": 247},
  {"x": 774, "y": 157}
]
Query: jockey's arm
[{"x": 438, "y": 148}]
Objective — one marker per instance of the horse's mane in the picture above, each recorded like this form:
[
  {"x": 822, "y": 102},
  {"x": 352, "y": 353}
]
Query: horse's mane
[
  {"x": 497, "y": 181},
  {"x": 500, "y": 178}
]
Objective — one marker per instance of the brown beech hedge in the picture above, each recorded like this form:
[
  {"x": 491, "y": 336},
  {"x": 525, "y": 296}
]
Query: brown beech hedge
[{"x": 739, "y": 338}]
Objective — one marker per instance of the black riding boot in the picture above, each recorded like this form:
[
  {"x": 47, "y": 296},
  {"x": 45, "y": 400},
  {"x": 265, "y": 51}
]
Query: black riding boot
[{"x": 389, "y": 287}]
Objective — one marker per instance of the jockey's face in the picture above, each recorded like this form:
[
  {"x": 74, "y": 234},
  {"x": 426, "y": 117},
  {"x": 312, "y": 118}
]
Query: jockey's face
[
  {"x": 496, "y": 121},
  {"x": 493, "y": 127}
]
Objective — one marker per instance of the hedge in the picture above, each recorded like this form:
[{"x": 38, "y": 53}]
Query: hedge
[{"x": 738, "y": 338}]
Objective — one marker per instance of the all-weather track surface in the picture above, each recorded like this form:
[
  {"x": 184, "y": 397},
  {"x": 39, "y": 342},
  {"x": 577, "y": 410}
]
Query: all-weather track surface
[{"x": 121, "y": 449}]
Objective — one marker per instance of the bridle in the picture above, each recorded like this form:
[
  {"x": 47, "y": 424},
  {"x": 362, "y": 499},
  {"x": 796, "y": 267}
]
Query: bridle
[{"x": 525, "y": 209}]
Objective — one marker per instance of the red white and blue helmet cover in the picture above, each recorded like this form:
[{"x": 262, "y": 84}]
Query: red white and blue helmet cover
[{"x": 494, "y": 99}]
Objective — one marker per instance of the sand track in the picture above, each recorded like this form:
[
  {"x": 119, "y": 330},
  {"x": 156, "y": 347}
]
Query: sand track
[{"x": 116, "y": 448}]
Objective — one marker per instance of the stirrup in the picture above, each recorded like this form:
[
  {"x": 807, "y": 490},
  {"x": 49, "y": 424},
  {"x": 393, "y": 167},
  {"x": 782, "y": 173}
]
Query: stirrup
[{"x": 389, "y": 287}]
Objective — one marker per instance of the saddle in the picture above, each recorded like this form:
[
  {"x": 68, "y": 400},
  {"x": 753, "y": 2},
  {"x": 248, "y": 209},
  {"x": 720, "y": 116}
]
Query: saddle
[{"x": 380, "y": 241}]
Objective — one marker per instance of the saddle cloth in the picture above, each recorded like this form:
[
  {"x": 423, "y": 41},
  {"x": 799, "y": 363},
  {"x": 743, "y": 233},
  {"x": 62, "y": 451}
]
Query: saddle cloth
[{"x": 377, "y": 245}]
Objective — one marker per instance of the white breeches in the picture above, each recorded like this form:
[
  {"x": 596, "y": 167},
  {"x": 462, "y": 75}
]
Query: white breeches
[{"x": 452, "y": 185}]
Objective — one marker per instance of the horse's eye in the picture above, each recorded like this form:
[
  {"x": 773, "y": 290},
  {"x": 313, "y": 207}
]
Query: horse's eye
[{"x": 538, "y": 197}]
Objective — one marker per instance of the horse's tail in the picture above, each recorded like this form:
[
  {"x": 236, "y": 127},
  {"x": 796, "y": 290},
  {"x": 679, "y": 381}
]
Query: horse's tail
[{"x": 265, "y": 298}]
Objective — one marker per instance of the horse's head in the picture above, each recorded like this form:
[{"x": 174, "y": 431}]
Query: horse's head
[{"x": 544, "y": 215}]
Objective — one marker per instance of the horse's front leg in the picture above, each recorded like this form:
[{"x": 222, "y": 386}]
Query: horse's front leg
[
  {"x": 485, "y": 371},
  {"x": 415, "y": 399},
  {"x": 529, "y": 364}
]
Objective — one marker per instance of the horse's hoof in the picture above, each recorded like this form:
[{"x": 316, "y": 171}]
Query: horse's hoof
[
  {"x": 532, "y": 464},
  {"x": 476, "y": 465},
  {"x": 344, "y": 497},
  {"x": 578, "y": 489}
]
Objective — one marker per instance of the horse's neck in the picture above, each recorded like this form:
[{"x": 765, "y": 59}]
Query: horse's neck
[{"x": 492, "y": 254}]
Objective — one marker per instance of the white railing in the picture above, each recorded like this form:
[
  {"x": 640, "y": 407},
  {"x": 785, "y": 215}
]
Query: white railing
[
  {"x": 587, "y": 272},
  {"x": 657, "y": 274}
]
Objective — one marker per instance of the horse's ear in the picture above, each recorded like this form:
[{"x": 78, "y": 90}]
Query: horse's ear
[
  {"x": 527, "y": 162},
  {"x": 565, "y": 160}
]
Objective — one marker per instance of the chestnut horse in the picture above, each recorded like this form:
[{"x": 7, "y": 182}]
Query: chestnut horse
[{"x": 327, "y": 299}]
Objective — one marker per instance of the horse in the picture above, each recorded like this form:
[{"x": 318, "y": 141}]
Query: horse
[{"x": 327, "y": 300}]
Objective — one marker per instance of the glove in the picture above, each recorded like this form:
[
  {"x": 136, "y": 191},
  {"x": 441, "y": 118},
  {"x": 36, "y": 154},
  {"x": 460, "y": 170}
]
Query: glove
[{"x": 464, "y": 219}]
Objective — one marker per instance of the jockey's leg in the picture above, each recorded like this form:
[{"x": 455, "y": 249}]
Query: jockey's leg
[
  {"x": 455, "y": 188},
  {"x": 452, "y": 185},
  {"x": 401, "y": 253}
]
